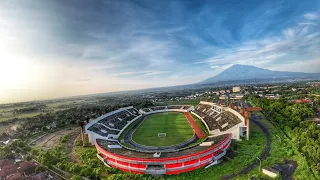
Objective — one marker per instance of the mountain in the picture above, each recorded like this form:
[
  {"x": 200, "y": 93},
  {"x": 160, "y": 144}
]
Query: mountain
[{"x": 244, "y": 72}]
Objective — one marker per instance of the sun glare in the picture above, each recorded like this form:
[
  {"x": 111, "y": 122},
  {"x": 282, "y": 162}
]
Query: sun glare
[{"x": 15, "y": 73}]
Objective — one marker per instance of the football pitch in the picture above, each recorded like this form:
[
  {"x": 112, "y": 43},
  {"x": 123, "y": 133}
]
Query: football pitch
[{"x": 175, "y": 126}]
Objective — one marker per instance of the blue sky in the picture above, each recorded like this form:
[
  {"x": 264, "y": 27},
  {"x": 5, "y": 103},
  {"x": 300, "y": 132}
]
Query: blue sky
[{"x": 61, "y": 48}]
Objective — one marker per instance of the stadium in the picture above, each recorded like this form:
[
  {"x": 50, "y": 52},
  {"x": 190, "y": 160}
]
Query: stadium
[{"x": 166, "y": 139}]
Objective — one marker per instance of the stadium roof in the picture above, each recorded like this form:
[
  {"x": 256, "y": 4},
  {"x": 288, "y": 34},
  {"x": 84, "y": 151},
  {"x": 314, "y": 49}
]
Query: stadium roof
[{"x": 135, "y": 154}]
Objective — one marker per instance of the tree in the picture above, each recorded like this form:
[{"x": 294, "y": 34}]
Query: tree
[
  {"x": 86, "y": 171},
  {"x": 35, "y": 151},
  {"x": 40, "y": 168},
  {"x": 76, "y": 177},
  {"x": 28, "y": 157},
  {"x": 5, "y": 153},
  {"x": 75, "y": 168}
]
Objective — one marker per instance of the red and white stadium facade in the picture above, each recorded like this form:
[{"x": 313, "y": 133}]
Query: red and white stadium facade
[{"x": 172, "y": 165}]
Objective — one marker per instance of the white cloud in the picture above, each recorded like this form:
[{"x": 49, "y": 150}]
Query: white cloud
[
  {"x": 289, "y": 33},
  {"x": 311, "y": 16},
  {"x": 222, "y": 67},
  {"x": 308, "y": 23},
  {"x": 301, "y": 41},
  {"x": 311, "y": 66},
  {"x": 139, "y": 74}
]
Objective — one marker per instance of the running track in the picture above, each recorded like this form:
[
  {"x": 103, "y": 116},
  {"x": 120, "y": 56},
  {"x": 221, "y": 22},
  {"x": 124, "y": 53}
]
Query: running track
[{"x": 194, "y": 126}]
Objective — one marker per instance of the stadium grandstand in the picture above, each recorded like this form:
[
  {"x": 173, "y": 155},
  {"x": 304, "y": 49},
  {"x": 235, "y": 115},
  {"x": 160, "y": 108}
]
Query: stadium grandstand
[
  {"x": 109, "y": 126},
  {"x": 221, "y": 120},
  {"x": 157, "y": 109}
]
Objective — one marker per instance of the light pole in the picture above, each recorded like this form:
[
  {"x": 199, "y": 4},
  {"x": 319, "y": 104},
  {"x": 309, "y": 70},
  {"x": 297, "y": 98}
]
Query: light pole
[{"x": 260, "y": 165}]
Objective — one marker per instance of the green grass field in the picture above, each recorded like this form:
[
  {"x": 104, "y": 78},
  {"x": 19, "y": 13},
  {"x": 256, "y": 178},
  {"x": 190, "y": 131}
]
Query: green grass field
[{"x": 175, "y": 125}]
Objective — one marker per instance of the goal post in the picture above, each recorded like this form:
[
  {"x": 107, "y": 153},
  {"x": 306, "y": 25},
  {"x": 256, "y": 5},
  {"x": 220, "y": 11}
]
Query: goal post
[{"x": 162, "y": 134}]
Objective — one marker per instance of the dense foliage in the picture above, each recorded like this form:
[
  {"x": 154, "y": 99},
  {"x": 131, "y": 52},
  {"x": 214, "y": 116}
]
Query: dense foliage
[
  {"x": 17, "y": 146},
  {"x": 307, "y": 138},
  {"x": 291, "y": 118},
  {"x": 284, "y": 113}
]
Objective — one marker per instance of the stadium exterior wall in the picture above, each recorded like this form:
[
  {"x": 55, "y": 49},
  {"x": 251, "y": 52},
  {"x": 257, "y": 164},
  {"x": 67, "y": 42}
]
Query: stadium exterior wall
[{"x": 173, "y": 165}]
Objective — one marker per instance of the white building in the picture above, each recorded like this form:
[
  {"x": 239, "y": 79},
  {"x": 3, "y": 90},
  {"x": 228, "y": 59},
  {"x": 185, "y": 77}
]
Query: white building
[{"x": 236, "y": 89}]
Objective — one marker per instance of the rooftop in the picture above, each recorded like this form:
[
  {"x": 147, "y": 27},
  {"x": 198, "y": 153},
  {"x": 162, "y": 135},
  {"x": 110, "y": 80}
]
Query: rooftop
[{"x": 135, "y": 154}]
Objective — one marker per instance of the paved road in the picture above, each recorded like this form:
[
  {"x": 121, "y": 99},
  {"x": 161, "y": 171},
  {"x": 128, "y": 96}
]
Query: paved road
[{"x": 263, "y": 156}]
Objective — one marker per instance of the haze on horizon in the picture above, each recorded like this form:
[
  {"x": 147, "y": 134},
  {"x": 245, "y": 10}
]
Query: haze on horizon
[{"x": 66, "y": 48}]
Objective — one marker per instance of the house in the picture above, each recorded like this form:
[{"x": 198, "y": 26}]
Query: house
[
  {"x": 270, "y": 172},
  {"x": 14, "y": 171},
  {"x": 236, "y": 96},
  {"x": 8, "y": 166},
  {"x": 300, "y": 101},
  {"x": 3, "y": 174},
  {"x": 15, "y": 176},
  {"x": 4, "y": 162},
  {"x": 223, "y": 97},
  {"x": 39, "y": 176},
  {"x": 272, "y": 96},
  {"x": 27, "y": 167},
  {"x": 236, "y": 89}
]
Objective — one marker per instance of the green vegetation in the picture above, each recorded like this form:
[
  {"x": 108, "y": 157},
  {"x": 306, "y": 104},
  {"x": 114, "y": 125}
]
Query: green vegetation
[
  {"x": 175, "y": 125},
  {"x": 57, "y": 159},
  {"x": 6, "y": 153},
  {"x": 292, "y": 137},
  {"x": 65, "y": 138},
  {"x": 281, "y": 149},
  {"x": 17, "y": 146},
  {"x": 192, "y": 102},
  {"x": 10, "y": 115}
]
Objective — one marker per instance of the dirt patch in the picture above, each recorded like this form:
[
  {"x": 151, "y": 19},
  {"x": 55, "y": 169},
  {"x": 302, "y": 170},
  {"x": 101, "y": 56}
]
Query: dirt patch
[
  {"x": 43, "y": 138},
  {"x": 286, "y": 169},
  {"x": 49, "y": 141},
  {"x": 71, "y": 143}
]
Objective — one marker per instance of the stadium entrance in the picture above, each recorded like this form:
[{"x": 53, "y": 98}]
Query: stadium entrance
[{"x": 155, "y": 169}]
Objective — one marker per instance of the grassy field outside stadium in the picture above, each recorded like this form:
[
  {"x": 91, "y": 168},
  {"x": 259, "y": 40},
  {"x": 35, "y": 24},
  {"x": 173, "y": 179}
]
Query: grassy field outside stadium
[{"x": 174, "y": 124}]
